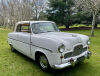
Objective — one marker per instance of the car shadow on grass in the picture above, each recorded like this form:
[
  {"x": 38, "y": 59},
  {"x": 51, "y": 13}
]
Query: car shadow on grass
[
  {"x": 79, "y": 68},
  {"x": 27, "y": 59}
]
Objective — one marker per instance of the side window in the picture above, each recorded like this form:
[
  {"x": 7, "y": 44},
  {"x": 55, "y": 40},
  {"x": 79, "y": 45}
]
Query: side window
[{"x": 23, "y": 28}]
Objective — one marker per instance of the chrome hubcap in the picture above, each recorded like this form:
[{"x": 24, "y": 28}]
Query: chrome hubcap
[{"x": 43, "y": 62}]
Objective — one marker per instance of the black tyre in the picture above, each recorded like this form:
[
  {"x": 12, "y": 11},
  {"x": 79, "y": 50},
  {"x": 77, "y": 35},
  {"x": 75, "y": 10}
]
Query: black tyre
[
  {"x": 12, "y": 48},
  {"x": 43, "y": 62}
]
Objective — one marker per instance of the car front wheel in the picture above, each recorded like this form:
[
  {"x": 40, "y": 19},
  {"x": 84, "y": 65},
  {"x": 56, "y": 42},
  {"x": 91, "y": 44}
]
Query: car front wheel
[{"x": 43, "y": 62}]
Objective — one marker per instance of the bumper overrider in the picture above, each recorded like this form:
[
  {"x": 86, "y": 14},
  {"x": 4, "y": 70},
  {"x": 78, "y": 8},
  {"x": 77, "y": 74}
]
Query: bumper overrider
[{"x": 72, "y": 61}]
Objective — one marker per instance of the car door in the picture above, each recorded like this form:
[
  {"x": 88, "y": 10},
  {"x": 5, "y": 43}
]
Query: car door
[{"x": 23, "y": 42}]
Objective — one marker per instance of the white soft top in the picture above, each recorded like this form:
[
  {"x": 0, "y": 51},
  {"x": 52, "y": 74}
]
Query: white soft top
[{"x": 23, "y": 22}]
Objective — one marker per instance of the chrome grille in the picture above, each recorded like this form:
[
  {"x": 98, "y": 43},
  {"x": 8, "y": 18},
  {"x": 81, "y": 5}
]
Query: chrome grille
[{"x": 77, "y": 51}]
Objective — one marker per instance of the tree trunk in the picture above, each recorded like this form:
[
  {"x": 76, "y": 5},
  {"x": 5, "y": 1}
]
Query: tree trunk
[
  {"x": 36, "y": 15},
  {"x": 67, "y": 26},
  {"x": 96, "y": 24},
  {"x": 93, "y": 24}
]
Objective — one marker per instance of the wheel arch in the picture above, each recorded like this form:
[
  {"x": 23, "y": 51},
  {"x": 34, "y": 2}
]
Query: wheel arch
[
  {"x": 38, "y": 53},
  {"x": 44, "y": 52}
]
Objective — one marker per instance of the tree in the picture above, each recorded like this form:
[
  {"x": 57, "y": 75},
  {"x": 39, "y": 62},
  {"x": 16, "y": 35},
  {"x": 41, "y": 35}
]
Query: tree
[
  {"x": 81, "y": 17},
  {"x": 91, "y": 6},
  {"x": 12, "y": 11},
  {"x": 38, "y": 7},
  {"x": 61, "y": 11}
]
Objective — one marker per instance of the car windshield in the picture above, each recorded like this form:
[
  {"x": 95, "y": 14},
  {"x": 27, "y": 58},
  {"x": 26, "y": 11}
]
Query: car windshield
[{"x": 44, "y": 27}]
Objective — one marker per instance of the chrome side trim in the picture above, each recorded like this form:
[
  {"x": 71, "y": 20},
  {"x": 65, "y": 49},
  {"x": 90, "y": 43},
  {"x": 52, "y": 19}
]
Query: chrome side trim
[{"x": 31, "y": 44}]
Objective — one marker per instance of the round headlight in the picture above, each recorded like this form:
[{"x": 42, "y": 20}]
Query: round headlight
[
  {"x": 88, "y": 42},
  {"x": 61, "y": 48}
]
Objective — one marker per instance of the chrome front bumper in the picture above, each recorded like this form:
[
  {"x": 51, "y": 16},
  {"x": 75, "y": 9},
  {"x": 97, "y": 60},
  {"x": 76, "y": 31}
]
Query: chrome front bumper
[{"x": 73, "y": 61}]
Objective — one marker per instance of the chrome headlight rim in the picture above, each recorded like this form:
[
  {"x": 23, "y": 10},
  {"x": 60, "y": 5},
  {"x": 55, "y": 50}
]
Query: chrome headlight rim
[
  {"x": 61, "y": 48},
  {"x": 88, "y": 42}
]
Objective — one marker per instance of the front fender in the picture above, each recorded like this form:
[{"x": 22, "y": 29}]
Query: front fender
[
  {"x": 45, "y": 43},
  {"x": 47, "y": 53}
]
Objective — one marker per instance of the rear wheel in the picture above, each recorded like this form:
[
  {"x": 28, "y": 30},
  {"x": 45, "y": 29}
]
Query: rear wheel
[
  {"x": 43, "y": 62},
  {"x": 12, "y": 48}
]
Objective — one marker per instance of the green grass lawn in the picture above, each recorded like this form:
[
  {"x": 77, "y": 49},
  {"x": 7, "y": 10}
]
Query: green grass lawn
[{"x": 15, "y": 64}]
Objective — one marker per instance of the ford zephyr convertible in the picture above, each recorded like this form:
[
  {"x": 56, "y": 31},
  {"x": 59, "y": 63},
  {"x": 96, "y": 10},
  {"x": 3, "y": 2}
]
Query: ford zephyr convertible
[{"x": 42, "y": 41}]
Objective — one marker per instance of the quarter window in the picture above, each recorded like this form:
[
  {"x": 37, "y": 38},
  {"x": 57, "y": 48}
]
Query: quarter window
[{"x": 23, "y": 28}]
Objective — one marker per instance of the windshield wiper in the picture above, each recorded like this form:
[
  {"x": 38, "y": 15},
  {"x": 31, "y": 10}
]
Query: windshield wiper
[
  {"x": 46, "y": 31},
  {"x": 50, "y": 31}
]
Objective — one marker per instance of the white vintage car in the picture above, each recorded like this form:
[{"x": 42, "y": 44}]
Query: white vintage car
[{"x": 42, "y": 41}]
